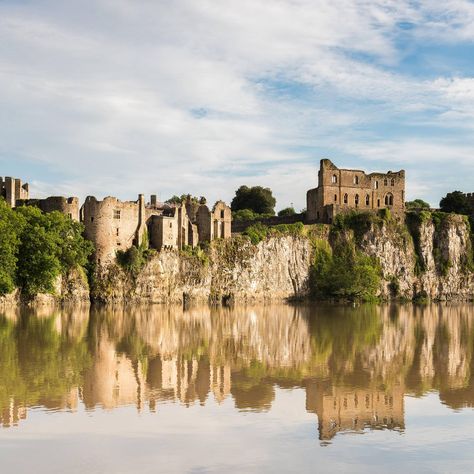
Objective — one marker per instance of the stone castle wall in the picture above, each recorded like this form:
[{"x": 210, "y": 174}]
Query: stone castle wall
[
  {"x": 12, "y": 190},
  {"x": 112, "y": 225},
  {"x": 340, "y": 189}
]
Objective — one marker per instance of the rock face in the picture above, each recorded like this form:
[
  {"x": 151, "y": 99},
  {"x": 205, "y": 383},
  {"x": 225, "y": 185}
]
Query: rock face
[
  {"x": 431, "y": 257},
  {"x": 70, "y": 288},
  {"x": 435, "y": 261},
  {"x": 277, "y": 268}
]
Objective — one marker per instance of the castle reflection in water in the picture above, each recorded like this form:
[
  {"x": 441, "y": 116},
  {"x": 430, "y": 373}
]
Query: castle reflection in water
[{"x": 355, "y": 364}]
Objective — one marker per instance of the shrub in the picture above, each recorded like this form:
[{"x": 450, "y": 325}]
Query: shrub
[
  {"x": 288, "y": 211},
  {"x": 344, "y": 272}
]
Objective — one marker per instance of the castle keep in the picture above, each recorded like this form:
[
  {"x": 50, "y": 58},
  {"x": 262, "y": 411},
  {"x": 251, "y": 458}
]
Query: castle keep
[{"x": 343, "y": 190}]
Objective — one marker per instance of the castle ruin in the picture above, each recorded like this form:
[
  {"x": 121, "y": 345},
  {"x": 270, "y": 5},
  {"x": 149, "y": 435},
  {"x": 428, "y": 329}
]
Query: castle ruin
[
  {"x": 118, "y": 225},
  {"x": 343, "y": 190},
  {"x": 12, "y": 189}
]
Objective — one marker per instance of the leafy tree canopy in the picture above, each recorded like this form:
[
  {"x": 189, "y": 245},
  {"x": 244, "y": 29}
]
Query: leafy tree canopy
[
  {"x": 258, "y": 199},
  {"x": 288, "y": 211},
  {"x": 417, "y": 204},
  {"x": 183, "y": 198},
  {"x": 456, "y": 202},
  {"x": 35, "y": 248}
]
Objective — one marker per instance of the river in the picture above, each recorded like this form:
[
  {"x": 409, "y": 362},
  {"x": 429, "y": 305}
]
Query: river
[{"x": 278, "y": 388}]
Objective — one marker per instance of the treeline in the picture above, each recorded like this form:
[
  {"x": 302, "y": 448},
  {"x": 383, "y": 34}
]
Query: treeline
[{"x": 36, "y": 248}]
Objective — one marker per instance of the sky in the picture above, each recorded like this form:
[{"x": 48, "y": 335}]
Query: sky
[{"x": 121, "y": 97}]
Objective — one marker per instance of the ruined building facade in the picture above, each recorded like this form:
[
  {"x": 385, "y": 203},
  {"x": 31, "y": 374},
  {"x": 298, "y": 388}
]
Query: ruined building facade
[
  {"x": 114, "y": 225},
  {"x": 12, "y": 190},
  {"x": 343, "y": 190}
]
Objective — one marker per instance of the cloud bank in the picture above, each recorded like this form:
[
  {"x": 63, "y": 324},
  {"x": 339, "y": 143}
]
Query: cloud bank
[{"x": 117, "y": 97}]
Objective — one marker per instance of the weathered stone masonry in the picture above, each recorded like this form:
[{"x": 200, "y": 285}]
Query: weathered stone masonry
[{"x": 342, "y": 190}]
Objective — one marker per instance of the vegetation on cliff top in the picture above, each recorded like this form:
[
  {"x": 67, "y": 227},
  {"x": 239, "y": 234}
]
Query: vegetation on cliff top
[
  {"x": 258, "y": 199},
  {"x": 36, "y": 248},
  {"x": 344, "y": 272},
  {"x": 258, "y": 232}
]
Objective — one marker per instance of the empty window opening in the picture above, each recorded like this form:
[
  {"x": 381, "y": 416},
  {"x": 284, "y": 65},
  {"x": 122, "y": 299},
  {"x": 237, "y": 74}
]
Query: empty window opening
[
  {"x": 356, "y": 199},
  {"x": 334, "y": 179},
  {"x": 222, "y": 214},
  {"x": 116, "y": 213},
  {"x": 346, "y": 198},
  {"x": 367, "y": 200},
  {"x": 389, "y": 199},
  {"x": 171, "y": 225},
  {"x": 92, "y": 219},
  {"x": 356, "y": 179},
  {"x": 392, "y": 182},
  {"x": 378, "y": 202},
  {"x": 335, "y": 197},
  {"x": 376, "y": 185}
]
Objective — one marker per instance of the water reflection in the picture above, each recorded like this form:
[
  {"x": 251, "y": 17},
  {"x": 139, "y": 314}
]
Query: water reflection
[{"x": 355, "y": 364}]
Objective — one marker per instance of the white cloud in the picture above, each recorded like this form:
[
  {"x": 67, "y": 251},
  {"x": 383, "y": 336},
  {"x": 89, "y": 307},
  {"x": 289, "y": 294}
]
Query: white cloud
[{"x": 120, "y": 97}]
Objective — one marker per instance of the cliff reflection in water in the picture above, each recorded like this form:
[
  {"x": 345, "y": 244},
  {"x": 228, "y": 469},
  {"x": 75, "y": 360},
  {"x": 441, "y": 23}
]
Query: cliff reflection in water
[{"x": 355, "y": 364}]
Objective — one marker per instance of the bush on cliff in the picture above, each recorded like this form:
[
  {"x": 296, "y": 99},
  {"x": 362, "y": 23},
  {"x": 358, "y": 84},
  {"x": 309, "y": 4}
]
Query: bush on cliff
[
  {"x": 35, "y": 248},
  {"x": 259, "y": 232},
  {"x": 344, "y": 272}
]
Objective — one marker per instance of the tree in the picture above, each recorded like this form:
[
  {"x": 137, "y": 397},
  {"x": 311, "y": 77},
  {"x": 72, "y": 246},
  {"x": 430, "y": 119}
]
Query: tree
[
  {"x": 417, "y": 204},
  {"x": 258, "y": 199},
  {"x": 10, "y": 228},
  {"x": 184, "y": 197},
  {"x": 456, "y": 202},
  {"x": 288, "y": 211},
  {"x": 50, "y": 245}
]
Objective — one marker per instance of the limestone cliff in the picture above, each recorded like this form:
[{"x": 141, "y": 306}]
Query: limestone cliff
[
  {"x": 70, "y": 288},
  {"x": 434, "y": 259},
  {"x": 235, "y": 269},
  {"x": 429, "y": 256}
]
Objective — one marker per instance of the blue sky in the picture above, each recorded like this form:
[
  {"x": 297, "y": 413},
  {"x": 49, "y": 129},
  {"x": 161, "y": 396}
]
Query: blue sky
[{"x": 119, "y": 97}]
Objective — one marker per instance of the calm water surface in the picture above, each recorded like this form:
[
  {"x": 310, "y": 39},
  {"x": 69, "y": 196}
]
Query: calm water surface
[{"x": 254, "y": 389}]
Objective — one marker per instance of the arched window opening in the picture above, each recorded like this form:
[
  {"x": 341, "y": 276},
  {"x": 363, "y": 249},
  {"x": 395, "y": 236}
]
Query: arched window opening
[
  {"x": 367, "y": 200},
  {"x": 385, "y": 182},
  {"x": 346, "y": 198},
  {"x": 376, "y": 185},
  {"x": 378, "y": 202},
  {"x": 334, "y": 179},
  {"x": 356, "y": 199},
  {"x": 335, "y": 197},
  {"x": 356, "y": 179},
  {"x": 392, "y": 182},
  {"x": 389, "y": 199}
]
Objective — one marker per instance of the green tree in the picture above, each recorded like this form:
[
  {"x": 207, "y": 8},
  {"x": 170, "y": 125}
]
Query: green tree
[
  {"x": 344, "y": 272},
  {"x": 417, "y": 204},
  {"x": 288, "y": 211},
  {"x": 183, "y": 198},
  {"x": 260, "y": 200},
  {"x": 50, "y": 245},
  {"x": 456, "y": 202},
  {"x": 10, "y": 228}
]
